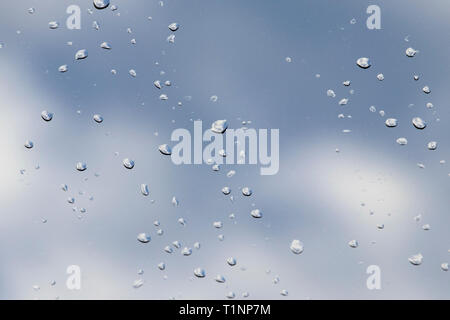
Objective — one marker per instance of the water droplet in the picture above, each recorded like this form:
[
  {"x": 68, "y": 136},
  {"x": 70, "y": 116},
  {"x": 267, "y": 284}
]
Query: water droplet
[
  {"x": 284, "y": 292},
  {"x": 363, "y": 62},
  {"x": 144, "y": 189},
  {"x": 71, "y": 200},
  {"x": 101, "y": 4},
  {"x": 219, "y": 126},
  {"x": 53, "y": 24},
  {"x": 81, "y": 54},
  {"x": 143, "y": 237},
  {"x": 256, "y": 213},
  {"x": 380, "y": 77},
  {"x": 63, "y": 68},
  {"x": 31, "y": 10},
  {"x": 175, "y": 202},
  {"x": 105, "y": 45},
  {"x": 168, "y": 249},
  {"x": 213, "y": 98},
  {"x": 416, "y": 77},
  {"x": 132, "y": 73},
  {"x": 219, "y": 278},
  {"x": 410, "y": 52},
  {"x": 231, "y": 295},
  {"x": 163, "y": 97},
  {"x": 444, "y": 266},
  {"x": 157, "y": 84},
  {"x": 246, "y": 191},
  {"x": 288, "y": 59},
  {"x": 226, "y": 190},
  {"x": 432, "y": 145},
  {"x": 98, "y": 118},
  {"x": 165, "y": 149},
  {"x": 231, "y": 261},
  {"x": 138, "y": 283},
  {"x": 29, "y": 144},
  {"x": 171, "y": 38},
  {"x": 343, "y": 102},
  {"x": 81, "y": 166},
  {"x": 64, "y": 187},
  {"x": 197, "y": 245},
  {"x": 353, "y": 244},
  {"x": 416, "y": 259},
  {"x": 419, "y": 123},
  {"x": 218, "y": 224},
  {"x": 372, "y": 109},
  {"x": 174, "y": 26},
  {"x": 391, "y": 122},
  {"x": 127, "y": 163},
  {"x": 296, "y": 246},
  {"x": 186, "y": 251},
  {"x": 199, "y": 272},
  {"x": 330, "y": 93},
  {"x": 402, "y": 141},
  {"x": 430, "y": 105},
  {"x": 426, "y": 89}
]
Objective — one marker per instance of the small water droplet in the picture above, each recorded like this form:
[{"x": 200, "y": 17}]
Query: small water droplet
[
  {"x": 246, "y": 191},
  {"x": 105, "y": 45},
  {"x": 138, "y": 283},
  {"x": 231, "y": 261}
]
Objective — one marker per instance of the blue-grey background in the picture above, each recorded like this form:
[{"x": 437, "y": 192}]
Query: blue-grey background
[{"x": 235, "y": 50}]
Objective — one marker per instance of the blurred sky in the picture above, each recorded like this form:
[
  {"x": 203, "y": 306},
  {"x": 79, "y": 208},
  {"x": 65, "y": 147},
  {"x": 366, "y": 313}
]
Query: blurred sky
[{"x": 235, "y": 50}]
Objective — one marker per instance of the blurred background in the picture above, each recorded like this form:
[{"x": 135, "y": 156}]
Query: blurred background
[{"x": 268, "y": 62}]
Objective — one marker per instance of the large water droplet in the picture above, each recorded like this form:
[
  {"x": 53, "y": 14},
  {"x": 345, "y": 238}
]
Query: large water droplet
[
  {"x": 256, "y": 213},
  {"x": 143, "y": 237},
  {"x": 81, "y": 166},
  {"x": 416, "y": 259},
  {"x": 165, "y": 149},
  {"x": 402, "y": 141},
  {"x": 53, "y": 24},
  {"x": 391, "y": 122},
  {"x": 432, "y": 145},
  {"x": 410, "y": 52},
  {"x": 199, "y": 272},
  {"x": 101, "y": 4},
  {"x": 174, "y": 26},
  {"x": 127, "y": 163},
  {"x": 219, "y": 126},
  {"x": 296, "y": 246},
  {"x": 98, "y": 118},
  {"x": 246, "y": 191},
  {"x": 419, "y": 123},
  {"x": 353, "y": 243},
  {"x": 29, "y": 144},
  {"x": 363, "y": 62},
  {"x": 63, "y": 68},
  {"x": 144, "y": 189},
  {"x": 81, "y": 54}
]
